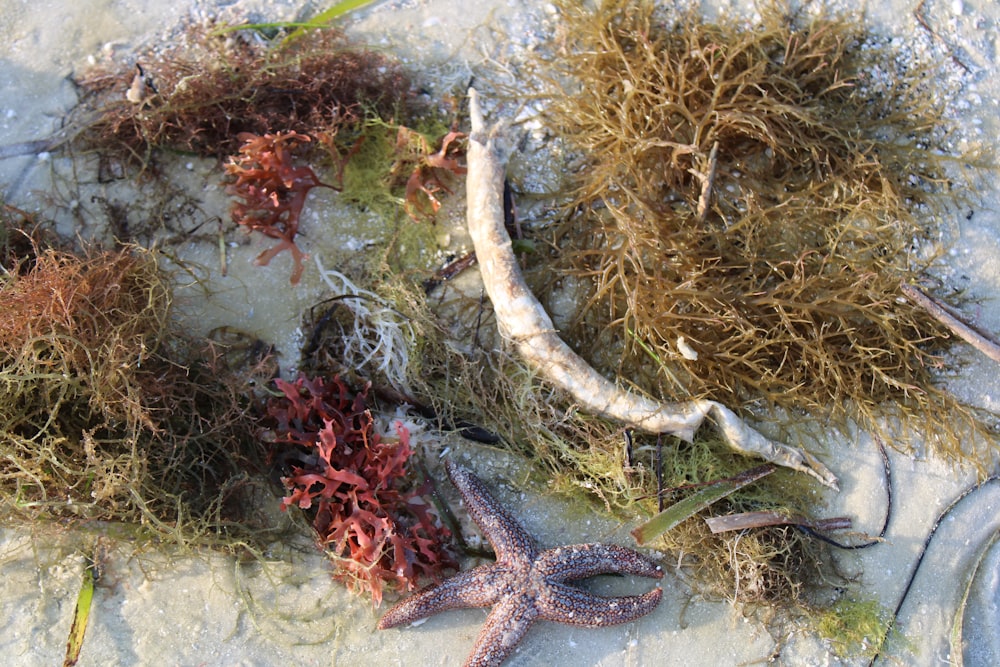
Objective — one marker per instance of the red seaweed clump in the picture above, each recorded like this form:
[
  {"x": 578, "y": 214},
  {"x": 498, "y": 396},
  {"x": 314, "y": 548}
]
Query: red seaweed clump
[
  {"x": 427, "y": 179},
  {"x": 273, "y": 191},
  {"x": 354, "y": 486}
]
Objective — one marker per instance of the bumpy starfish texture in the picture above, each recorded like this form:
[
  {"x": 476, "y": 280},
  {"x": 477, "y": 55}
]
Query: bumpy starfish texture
[{"x": 525, "y": 584}]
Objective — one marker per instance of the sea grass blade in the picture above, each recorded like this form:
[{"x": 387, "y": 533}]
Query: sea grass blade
[
  {"x": 321, "y": 20},
  {"x": 696, "y": 502},
  {"x": 79, "y": 627},
  {"x": 336, "y": 11},
  {"x": 956, "y": 637}
]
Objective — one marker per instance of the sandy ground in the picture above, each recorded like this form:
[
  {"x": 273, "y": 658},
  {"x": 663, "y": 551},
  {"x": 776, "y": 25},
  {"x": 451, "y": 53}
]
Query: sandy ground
[{"x": 161, "y": 608}]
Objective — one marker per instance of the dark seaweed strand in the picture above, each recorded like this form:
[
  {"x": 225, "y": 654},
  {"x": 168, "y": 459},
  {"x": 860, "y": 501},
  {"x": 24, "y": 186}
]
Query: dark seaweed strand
[
  {"x": 887, "y": 471},
  {"x": 923, "y": 551}
]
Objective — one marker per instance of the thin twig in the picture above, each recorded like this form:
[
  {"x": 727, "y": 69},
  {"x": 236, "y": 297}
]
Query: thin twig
[
  {"x": 918, "y": 14},
  {"x": 707, "y": 183},
  {"x": 878, "y": 539},
  {"x": 522, "y": 321},
  {"x": 946, "y": 316},
  {"x": 764, "y": 518}
]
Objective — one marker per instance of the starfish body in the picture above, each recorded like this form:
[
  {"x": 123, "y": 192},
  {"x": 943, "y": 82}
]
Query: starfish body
[{"x": 525, "y": 584}]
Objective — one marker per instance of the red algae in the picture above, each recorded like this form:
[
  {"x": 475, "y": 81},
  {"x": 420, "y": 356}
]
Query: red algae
[
  {"x": 273, "y": 191},
  {"x": 427, "y": 180},
  {"x": 353, "y": 484}
]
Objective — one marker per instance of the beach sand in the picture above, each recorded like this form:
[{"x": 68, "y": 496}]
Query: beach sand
[{"x": 161, "y": 607}]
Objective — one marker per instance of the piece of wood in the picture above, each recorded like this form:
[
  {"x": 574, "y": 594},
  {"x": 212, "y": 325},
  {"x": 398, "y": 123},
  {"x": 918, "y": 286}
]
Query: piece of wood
[
  {"x": 745, "y": 520},
  {"x": 943, "y": 314},
  {"x": 522, "y": 321}
]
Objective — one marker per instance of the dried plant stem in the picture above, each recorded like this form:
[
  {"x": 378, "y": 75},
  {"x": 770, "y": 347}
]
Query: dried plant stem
[
  {"x": 944, "y": 315},
  {"x": 522, "y": 320},
  {"x": 745, "y": 520},
  {"x": 707, "y": 183},
  {"x": 919, "y": 15}
]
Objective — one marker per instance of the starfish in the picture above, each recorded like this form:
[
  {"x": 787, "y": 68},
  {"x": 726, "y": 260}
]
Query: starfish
[{"x": 526, "y": 584}]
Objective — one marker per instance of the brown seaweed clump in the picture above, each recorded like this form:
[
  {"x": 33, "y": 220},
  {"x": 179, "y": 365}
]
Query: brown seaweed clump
[
  {"x": 353, "y": 484},
  {"x": 106, "y": 413},
  {"x": 746, "y": 204},
  {"x": 201, "y": 92}
]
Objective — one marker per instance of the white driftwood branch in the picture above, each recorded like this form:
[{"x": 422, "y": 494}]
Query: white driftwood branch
[{"x": 522, "y": 320}]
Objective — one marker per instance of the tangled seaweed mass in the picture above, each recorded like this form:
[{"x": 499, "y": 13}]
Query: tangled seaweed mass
[
  {"x": 352, "y": 484},
  {"x": 107, "y": 412},
  {"x": 783, "y": 182},
  {"x": 210, "y": 87}
]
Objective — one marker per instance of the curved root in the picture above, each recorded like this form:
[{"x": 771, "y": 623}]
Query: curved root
[{"x": 523, "y": 321}]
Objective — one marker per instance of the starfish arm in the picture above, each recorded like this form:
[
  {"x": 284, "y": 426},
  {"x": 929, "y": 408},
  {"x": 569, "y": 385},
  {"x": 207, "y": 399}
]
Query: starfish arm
[
  {"x": 509, "y": 539},
  {"x": 504, "y": 628},
  {"x": 578, "y": 561},
  {"x": 472, "y": 588},
  {"x": 566, "y": 604}
]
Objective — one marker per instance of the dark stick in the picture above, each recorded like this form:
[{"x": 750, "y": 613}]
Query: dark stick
[{"x": 943, "y": 314}]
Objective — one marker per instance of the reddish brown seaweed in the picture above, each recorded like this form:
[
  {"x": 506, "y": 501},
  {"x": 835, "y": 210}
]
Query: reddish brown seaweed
[
  {"x": 428, "y": 177},
  {"x": 353, "y": 486},
  {"x": 208, "y": 87},
  {"x": 273, "y": 191}
]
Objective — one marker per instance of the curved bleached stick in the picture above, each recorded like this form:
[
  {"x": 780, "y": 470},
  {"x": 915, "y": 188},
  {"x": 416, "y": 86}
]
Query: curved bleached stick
[{"x": 522, "y": 320}]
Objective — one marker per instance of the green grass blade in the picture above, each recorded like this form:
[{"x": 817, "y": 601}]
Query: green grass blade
[
  {"x": 79, "y": 626},
  {"x": 321, "y": 20},
  {"x": 338, "y": 10},
  {"x": 325, "y": 18},
  {"x": 696, "y": 502}
]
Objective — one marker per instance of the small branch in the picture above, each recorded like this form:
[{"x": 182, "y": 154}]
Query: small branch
[
  {"x": 707, "y": 183},
  {"x": 728, "y": 522},
  {"x": 26, "y": 148},
  {"x": 918, "y": 14},
  {"x": 522, "y": 321},
  {"x": 943, "y": 314}
]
